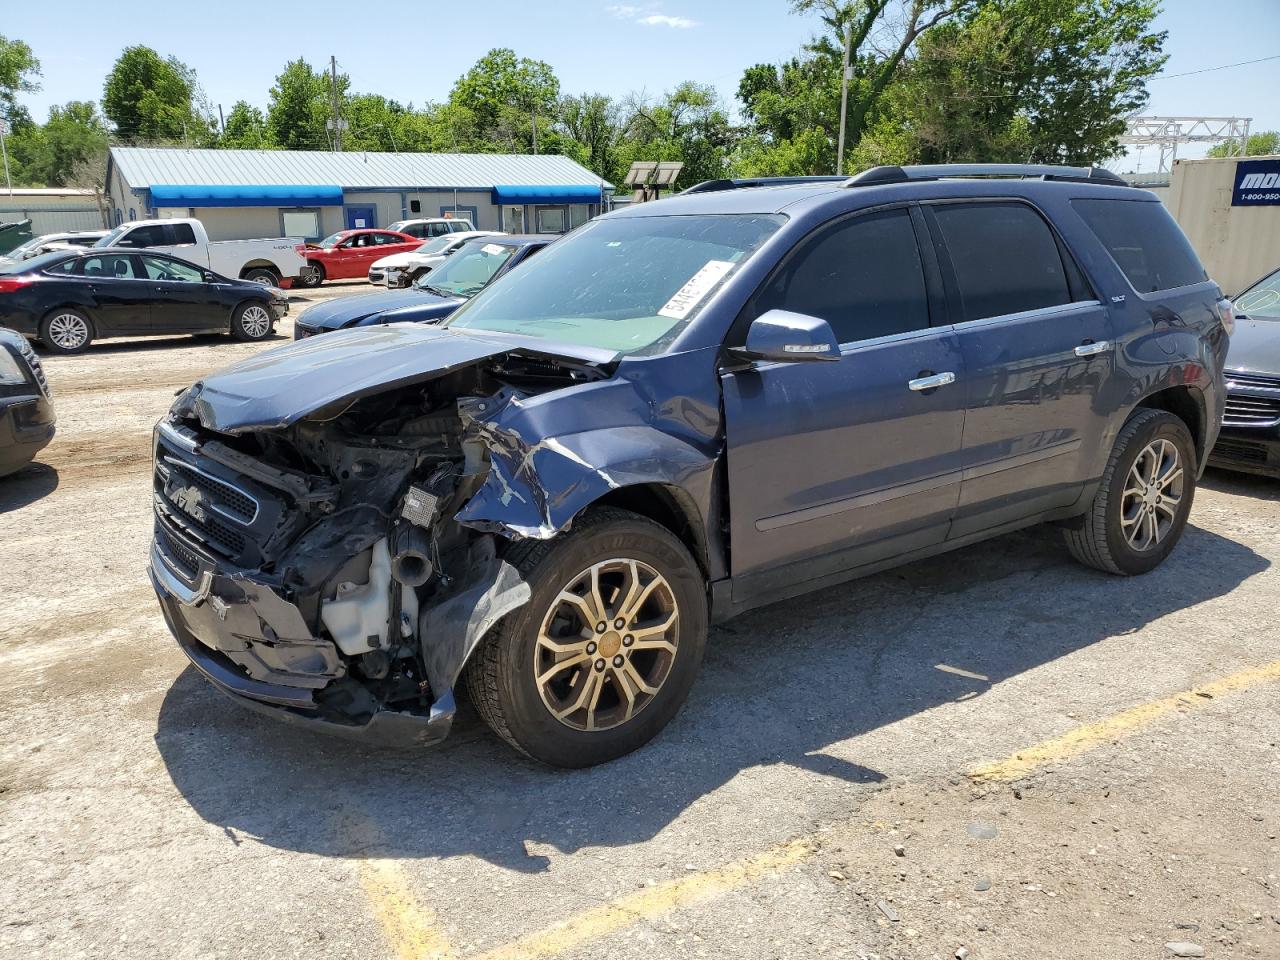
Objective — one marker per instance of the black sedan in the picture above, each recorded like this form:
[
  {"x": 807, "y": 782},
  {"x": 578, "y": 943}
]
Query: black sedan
[
  {"x": 473, "y": 267},
  {"x": 1250, "y": 437},
  {"x": 69, "y": 298},
  {"x": 26, "y": 412}
]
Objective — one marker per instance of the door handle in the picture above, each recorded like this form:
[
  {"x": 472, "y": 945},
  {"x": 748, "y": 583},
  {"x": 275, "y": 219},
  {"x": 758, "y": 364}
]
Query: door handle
[
  {"x": 932, "y": 381},
  {"x": 1092, "y": 349}
]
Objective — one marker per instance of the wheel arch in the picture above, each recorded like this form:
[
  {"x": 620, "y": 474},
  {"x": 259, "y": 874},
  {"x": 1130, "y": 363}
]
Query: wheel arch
[
  {"x": 1187, "y": 403},
  {"x": 259, "y": 265},
  {"x": 667, "y": 505}
]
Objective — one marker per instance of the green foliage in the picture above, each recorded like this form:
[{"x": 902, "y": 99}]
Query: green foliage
[
  {"x": 151, "y": 99},
  {"x": 19, "y": 70},
  {"x": 510, "y": 100},
  {"x": 245, "y": 128},
  {"x": 1259, "y": 145},
  {"x": 301, "y": 103}
]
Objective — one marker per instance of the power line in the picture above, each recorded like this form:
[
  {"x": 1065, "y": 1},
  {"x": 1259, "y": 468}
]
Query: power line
[{"x": 1225, "y": 66}]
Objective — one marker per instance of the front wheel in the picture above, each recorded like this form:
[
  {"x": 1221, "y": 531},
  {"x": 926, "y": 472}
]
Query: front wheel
[
  {"x": 1143, "y": 500},
  {"x": 603, "y": 655},
  {"x": 250, "y": 322},
  {"x": 312, "y": 275},
  {"x": 268, "y": 278}
]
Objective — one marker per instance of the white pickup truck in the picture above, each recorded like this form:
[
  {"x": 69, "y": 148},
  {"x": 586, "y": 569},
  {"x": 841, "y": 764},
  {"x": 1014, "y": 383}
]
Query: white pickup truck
[{"x": 272, "y": 262}]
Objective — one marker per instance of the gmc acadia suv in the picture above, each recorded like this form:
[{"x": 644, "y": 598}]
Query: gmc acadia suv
[{"x": 677, "y": 413}]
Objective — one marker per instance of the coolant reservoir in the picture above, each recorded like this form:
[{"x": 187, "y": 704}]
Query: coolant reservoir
[{"x": 358, "y": 617}]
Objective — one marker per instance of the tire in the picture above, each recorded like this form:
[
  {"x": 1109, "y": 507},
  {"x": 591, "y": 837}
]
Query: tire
[
  {"x": 66, "y": 330},
  {"x": 1116, "y": 534},
  {"x": 502, "y": 677},
  {"x": 251, "y": 322},
  {"x": 312, "y": 276},
  {"x": 262, "y": 275}
]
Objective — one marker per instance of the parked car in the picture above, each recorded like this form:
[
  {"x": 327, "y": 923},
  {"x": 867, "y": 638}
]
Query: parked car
[
  {"x": 1250, "y": 438},
  {"x": 427, "y": 227},
  {"x": 274, "y": 263},
  {"x": 476, "y": 264},
  {"x": 52, "y": 241},
  {"x": 26, "y": 408},
  {"x": 681, "y": 411},
  {"x": 68, "y": 299},
  {"x": 348, "y": 254},
  {"x": 402, "y": 269}
]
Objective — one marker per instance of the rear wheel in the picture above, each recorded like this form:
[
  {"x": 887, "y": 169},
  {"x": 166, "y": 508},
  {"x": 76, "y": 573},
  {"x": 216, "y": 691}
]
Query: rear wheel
[
  {"x": 1144, "y": 498},
  {"x": 66, "y": 330},
  {"x": 251, "y": 321},
  {"x": 603, "y": 655},
  {"x": 268, "y": 278}
]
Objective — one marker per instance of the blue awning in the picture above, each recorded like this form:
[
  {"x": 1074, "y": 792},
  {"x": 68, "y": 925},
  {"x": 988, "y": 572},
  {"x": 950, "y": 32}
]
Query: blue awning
[
  {"x": 552, "y": 193},
  {"x": 256, "y": 195}
]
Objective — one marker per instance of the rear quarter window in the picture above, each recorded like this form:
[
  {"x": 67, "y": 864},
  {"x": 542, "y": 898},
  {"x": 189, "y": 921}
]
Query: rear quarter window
[{"x": 1144, "y": 241}]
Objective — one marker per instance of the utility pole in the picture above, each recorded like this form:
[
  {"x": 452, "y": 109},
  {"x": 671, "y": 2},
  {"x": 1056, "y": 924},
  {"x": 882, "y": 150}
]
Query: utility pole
[
  {"x": 337, "y": 119},
  {"x": 4, "y": 150},
  {"x": 844, "y": 99},
  {"x": 535, "y": 129},
  {"x": 222, "y": 121}
]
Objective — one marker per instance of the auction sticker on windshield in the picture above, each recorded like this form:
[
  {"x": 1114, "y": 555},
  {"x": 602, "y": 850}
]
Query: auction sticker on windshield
[
  {"x": 492, "y": 248},
  {"x": 697, "y": 287}
]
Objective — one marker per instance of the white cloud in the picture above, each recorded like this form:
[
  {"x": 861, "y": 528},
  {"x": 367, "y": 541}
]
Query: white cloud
[
  {"x": 625, "y": 11},
  {"x": 662, "y": 20}
]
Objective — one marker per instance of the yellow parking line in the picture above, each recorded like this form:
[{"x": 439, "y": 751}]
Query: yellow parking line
[
  {"x": 412, "y": 929},
  {"x": 1085, "y": 738},
  {"x": 662, "y": 898}
]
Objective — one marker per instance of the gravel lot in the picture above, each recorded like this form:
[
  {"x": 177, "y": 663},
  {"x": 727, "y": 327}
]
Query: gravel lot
[{"x": 143, "y": 815}]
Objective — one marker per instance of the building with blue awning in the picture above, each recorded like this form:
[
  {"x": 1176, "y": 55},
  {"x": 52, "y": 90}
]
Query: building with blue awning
[{"x": 247, "y": 194}]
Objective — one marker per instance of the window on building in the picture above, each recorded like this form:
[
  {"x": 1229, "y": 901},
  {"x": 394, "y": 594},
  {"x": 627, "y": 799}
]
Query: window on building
[
  {"x": 862, "y": 275},
  {"x": 1145, "y": 242},
  {"x": 550, "y": 219},
  {"x": 1005, "y": 257},
  {"x": 300, "y": 223},
  {"x": 579, "y": 214}
]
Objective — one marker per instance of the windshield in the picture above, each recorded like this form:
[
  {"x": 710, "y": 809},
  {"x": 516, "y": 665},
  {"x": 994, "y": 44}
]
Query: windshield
[
  {"x": 466, "y": 272},
  {"x": 110, "y": 239},
  {"x": 332, "y": 240},
  {"x": 436, "y": 245},
  {"x": 628, "y": 285},
  {"x": 1262, "y": 300}
]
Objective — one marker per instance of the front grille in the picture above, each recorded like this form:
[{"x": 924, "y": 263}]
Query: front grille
[
  {"x": 187, "y": 561},
  {"x": 222, "y": 495},
  {"x": 301, "y": 332},
  {"x": 33, "y": 363},
  {"x": 1241, "y": 451},
  {"x": 1251, "y": 380},
  {"x": 207, "y": 529},
  {"x": 1245, "y": 410}
]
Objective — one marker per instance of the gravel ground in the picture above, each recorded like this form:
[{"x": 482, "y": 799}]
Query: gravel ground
[{"x": 143, "y": 815}]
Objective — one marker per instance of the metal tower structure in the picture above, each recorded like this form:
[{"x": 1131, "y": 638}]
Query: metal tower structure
[{"x": 1168, "y": 132}]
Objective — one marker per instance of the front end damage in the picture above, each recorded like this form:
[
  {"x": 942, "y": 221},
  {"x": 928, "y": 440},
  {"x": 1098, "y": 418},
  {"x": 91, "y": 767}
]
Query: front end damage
[{"x": 320, "y": 566}]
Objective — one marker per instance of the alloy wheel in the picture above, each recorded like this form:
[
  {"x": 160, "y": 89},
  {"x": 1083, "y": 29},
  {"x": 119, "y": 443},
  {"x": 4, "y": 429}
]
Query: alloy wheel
[
  {"x": 68, "y": 331},
  {"x": 606, "y": 645},
  {"x": 1152, "y": 495},
  {"x": 255, "y": 321}
]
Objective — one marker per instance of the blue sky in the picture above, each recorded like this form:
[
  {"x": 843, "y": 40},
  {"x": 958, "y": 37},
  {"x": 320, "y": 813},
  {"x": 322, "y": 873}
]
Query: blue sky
[{"x": 237, "y": 47}]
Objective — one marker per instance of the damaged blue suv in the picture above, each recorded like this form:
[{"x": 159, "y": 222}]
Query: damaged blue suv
[{"x": 677, "y": 413}]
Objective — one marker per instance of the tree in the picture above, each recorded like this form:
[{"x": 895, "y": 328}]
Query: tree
[
  {"x": 151, "y": 99},
  {"x": 1045, "y": 81},
  {"x": 1260, "y": 144},
  {"x": 19, "y": 70},
  {"x": 688, "y": 125},
  {"x": 73, "y": 134},
  {"x": 245, "y": 128},
  {"x": 301, "y": 104},
  {"x": 591, "y": 125},
  {"x": 512, "y": 99}
]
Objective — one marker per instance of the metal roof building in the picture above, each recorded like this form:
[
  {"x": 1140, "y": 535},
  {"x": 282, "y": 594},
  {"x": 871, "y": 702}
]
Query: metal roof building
[{"x": 241, "y": 194}]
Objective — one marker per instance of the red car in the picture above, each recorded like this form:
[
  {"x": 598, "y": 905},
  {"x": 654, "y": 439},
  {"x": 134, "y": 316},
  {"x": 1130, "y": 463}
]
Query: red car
[{"x": 347, "y": 254}]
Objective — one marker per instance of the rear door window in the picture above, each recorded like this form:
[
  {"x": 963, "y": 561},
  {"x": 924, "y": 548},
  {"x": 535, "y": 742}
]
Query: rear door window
[
  {"x": 862, "y": 275},
  {"x": 1004, "y": 256},
  {"x": 108, "y": 267},
  {"x": 183, "y": 235},
  {"x": 1144, "y": 241}
]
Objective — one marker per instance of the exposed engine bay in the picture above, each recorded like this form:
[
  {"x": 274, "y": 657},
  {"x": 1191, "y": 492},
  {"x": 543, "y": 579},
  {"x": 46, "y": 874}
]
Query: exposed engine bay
[{"x": 321, "y": 566}]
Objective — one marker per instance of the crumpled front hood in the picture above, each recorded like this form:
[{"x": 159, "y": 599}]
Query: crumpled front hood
[
  {"x": 436, "y": 309},
  {"x": 1255, "y": 347},
  {"x": 344, "y": 311},
  {"x": 282, "y": 386}
]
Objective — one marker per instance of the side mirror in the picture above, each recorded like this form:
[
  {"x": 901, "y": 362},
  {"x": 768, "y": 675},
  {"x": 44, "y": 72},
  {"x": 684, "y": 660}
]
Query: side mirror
[
  {"x": 785, "y": 337},
  {"x": 210, "y": 277}
]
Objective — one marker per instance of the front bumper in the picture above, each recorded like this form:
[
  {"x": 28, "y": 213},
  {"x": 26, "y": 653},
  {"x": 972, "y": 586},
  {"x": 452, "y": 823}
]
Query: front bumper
[
  {"x": 1247, "y": 451},
  {"x": 27, "y": 425},
  {"x": 377, "y": 276},
  {"x": 245, "y": 639}
]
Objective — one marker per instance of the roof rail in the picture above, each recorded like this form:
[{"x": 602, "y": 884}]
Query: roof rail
[
  {"x": 712, "y": 186},
  {"x": 937, "y": 171}
]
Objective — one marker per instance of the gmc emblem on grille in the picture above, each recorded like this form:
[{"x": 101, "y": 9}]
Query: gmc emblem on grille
[{"x": 187, "y": 499}]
